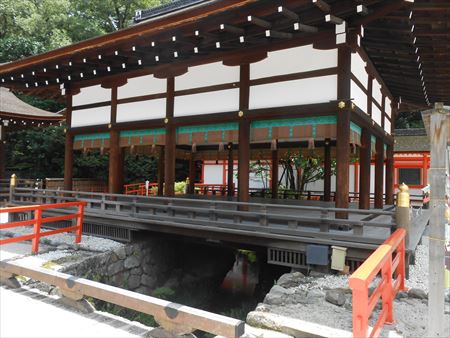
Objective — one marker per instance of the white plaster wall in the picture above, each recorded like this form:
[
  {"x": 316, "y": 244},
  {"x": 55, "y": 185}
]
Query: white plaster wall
[
  {"x": 91, "y": 94},
  {"x": 387, "y": 106},
  {"x": 376, "y": 91},
  {"x": 207, "y": 75},
  {"x": 387, "y": 126},
  {"x": 142, "y": 110},
  {"x": 351, "y": 175},
  {"x": 142, "y": 85},
  {"x": 376, "y": 114},
  {"x": 213, "y": 174},
  {"x": 91, "y": 116},
  {"x": 293, "y": 60},
  {"x": 207, "y": 103},
  {"x": 358, "y": 69},
  {"x": 288, "y": 93},
  {"x": 358, "y": 96}
]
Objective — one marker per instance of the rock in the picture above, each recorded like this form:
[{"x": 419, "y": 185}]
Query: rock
[
  {"x": 335, "y": 297},
  {"x": 317, "y": 274},
  {"x": 417, "y": 293},
  {"x": 289, "y": 280},
  {"x": 129, "y": 249},
  {"x": 401, "y": 295},
  {"x": 136, "y": 271},
  {"x": 172, "y": 283},
  {"x": 271, "y": 299},
  {"x": 278, "y": 295},
  {"x": 121, "y": 252},
  {"x": 63, "y": 247},
  {"x": 118, "y": 279},
  {"x": 143, "y": 290},
  {"x": 113, "y": 258},
  {"x": 149, "y": 281},
  {"x": 115, "y": 268},
  {"x": 262, "y": 307},
  {"x": 131, "y": 262},
  {"x": 133, "y": 282},
  {"x": 280, "y": 291}
]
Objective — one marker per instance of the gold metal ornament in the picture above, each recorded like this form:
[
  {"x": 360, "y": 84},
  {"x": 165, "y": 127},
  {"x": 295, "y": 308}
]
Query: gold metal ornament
[
  {"x": 403, "y": 199},
  {"x": 341, "y": 104},
  {"x": 241, "y": 113}
]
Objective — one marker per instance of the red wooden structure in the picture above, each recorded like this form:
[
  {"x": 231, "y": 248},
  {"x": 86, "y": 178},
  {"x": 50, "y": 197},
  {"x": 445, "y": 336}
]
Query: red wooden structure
[
  {"x": 39, "y": 220},
  {"x": 389, "y": 258}
]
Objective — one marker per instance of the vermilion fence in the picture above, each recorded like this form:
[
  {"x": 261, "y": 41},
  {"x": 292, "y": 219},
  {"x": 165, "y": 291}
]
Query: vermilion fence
[
  {"x": 388, "y": 259},
  {"x": 39, "y": 219}
]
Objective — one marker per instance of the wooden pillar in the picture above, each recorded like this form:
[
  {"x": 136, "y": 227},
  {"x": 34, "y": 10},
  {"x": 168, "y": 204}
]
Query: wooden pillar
[
  {"x": 230, "y": 170},
  {"x": 327, "y": 171},
  {"x": 275, "y": 163},
  {"x": 379, "y": 173},
  {"x": 114, "y": 162},
  {"x": 244, "y": 135},
  {"x": 365, "y": 156},
  {"x": 369, "y": 93},
  {"x": 170, "y": 149},
  {"x": 343, "y": 130},
  {"x": 68, "y": 149},
  {"x": 192, "y": 168},
  {"x": 438, "y": 149},
  {"x": 115, "y": 176},
  {"x": 2, "y": 153},
  {"x": 160, "y": 172},
  {"x": 389, "y": 199}
]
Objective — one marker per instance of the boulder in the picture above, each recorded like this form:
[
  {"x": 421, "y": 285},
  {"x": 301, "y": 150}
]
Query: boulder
[
  {"x": 121, "y": 252},
  {"x": 115, "y": 268},
  {"x": 417, "y": 293},
  {"x": 149, "y": 281},
  {"x": 131, "y": 262},
  {"x": 289, "y": 280},
  {"x": 336, "y": 297},
  {"x": 133, "y": 282}
]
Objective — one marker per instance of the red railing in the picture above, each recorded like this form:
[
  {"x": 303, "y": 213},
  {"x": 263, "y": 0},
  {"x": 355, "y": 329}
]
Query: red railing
[
  {"x": 389, "y": 258},
  {"x": 211, "y": 189},
  {"x": 138, "y": 189},
  {"x": 39, "y": 219}
]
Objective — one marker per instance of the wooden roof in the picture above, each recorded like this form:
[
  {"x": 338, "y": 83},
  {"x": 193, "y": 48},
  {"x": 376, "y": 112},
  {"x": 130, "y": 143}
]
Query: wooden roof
[
  {"x": 410, "y": 47},
  {"x": 13, "y": 107},
  {"x": 168, "y": 42}
]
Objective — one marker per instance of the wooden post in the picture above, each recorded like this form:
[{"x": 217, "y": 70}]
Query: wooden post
[
  {"x": 364, "y": 177},
  {"x": 114, "y": 162},
  {"x": 68, "y": 149},
  {"x": 437, "y": 177},
  {"x": 275, "y": 163},
  {"x": 2, "y": 153},
  {"x": 244, "y": 136},
  {"x": 379, "y": 173},
  {"x": 389, "y": 199},
  {"x": 160, "y": 172},
  {"x": 230, "y": 171},
  {"x": 191, "y": 186},
  {"x": 170, "y": 151},
  {"x": 343, "y": 130},
  {"x": 327, "y": 171}
]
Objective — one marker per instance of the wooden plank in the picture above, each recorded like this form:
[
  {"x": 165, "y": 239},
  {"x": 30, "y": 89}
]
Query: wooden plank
[
  {"x": 365, "y": 164},
  {"x": 165, "y": 312}
]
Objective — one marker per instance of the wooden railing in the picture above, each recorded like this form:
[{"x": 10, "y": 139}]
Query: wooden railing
[
  {"x": 38, "y": 220},
  {"x": 5, "y": 187},
  {"x": 139, "y": 189},
  {"x": 176, "y": 318},
  {"x": 388, "y": 259},
  {"x": 251, "y": 219}
]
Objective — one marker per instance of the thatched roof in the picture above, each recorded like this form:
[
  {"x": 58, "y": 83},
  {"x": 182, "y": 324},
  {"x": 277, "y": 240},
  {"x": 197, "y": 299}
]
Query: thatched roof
[
  {"x": 11, "y": 106},
  {"x": 411, "y": 140}
]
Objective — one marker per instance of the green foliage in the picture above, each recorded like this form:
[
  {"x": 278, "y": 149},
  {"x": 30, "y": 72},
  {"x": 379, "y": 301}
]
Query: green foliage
[
  {"x": 163, "y": 293},
  {"x": 49, "y": 105},
  {"x": 407, "y": 120},
  {"x": 139, "y": 167},
  {"x": 251, "y": 255}
]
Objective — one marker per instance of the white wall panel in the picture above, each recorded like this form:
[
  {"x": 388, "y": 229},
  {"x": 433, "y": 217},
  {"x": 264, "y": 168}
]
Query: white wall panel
[
  {"x": 293, "y": 60},
  {"x": 358, "y": 69},
  {"x": 387, "y": 106},
  {"x": 142, "y": 110},
  {"x": 207, "y": 75},
  {"x": 91, "y": 117},
  {"x": 288, "y": 93},
  {"x": 376, "y": 91},
  {"x": 387, "y": 126},
  {"x": 376, "y": 114},
  {"x": 213, "y": 174},
  {"x": 91, "y": 94},
  {"x": 142, "y": 85},
  {"x": 207, "y": 103},
  {"x": 358, "y": 96}
]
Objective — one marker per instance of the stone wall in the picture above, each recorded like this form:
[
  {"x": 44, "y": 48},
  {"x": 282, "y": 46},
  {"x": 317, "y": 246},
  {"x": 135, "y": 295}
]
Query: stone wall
[{"x": 140, "y": 266}]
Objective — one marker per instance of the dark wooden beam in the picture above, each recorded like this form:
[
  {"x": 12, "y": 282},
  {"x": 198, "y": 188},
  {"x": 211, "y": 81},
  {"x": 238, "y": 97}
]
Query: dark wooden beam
[
  {"x": 322, "y": 5},
  {"x": 170, "y": 144},
  {"x": 192, "y": 175},
  {"x": 288, "y": 14},
  {"x": 379, "y": 173},
  {"x": 274, "y": 171},
  {"x": 160, "y": 171},
  {"x": 389, "y": 199},
  {"x": 327, "y": 171},
  {"x": 68, "y": 149},
  {"x": 365, "y": 155},
  {"x": 259, "y": 22},
  {"x": 230, "y": 170},
  {"x": 244, "y": 136}
]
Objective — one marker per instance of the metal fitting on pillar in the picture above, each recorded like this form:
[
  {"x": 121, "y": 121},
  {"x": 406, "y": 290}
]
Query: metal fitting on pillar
[{"x": 12, "y": 185}]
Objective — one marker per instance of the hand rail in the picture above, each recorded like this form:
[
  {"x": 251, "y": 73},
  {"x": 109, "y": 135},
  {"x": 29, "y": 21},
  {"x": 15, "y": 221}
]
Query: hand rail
[
  {"x": 171, "y": 316},
  {"x": 363, "y": 304},
  {"x": 38, "y": 220}
]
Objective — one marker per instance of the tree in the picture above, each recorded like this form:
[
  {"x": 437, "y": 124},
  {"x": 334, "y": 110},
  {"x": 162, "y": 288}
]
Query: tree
[{"x": 299, "y": 170}]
